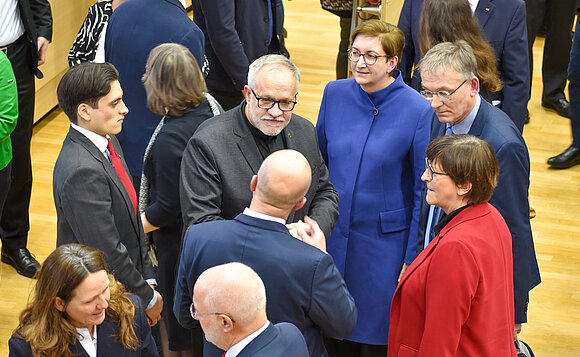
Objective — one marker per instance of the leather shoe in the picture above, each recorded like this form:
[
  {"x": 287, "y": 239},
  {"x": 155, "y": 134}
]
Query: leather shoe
[
  {"x": 560, "y": 105},
  {"x": 567, "y": 159},
  {"x": 21, "y": 259}
]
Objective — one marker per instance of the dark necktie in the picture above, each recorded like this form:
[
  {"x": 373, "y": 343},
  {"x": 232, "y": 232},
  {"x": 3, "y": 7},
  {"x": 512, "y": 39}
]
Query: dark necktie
[{"x": 118, "y": 165}]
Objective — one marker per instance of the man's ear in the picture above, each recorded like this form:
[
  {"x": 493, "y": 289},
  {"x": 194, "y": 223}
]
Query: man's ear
[
  {"x": 253, "y": 183},
  {"x": 59, "y": 304},
  {"x": 247, "y": 93},
  {"x": 226, "y": 323},
  {"x": 84, "y": 112},
  {"x": 300, "y": 204},
  {"x": 474, "y": 82}
]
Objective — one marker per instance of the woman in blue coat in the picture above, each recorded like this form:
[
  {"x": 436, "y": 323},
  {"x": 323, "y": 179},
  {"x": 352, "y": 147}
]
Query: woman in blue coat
[{"x": 373, "y": 131}]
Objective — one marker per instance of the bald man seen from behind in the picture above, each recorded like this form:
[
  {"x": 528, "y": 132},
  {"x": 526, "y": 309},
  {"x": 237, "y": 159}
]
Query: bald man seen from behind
[
  {"x": 229, "y": 301},
  {"x": 302, "y": 284}
]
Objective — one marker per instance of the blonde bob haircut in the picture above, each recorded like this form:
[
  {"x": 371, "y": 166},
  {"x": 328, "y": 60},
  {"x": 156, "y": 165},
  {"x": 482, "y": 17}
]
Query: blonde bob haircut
[
  {"x": 173, "y": 80},
  {"x": 467, "y": 159},
  {"x": 391, "y": 37}
]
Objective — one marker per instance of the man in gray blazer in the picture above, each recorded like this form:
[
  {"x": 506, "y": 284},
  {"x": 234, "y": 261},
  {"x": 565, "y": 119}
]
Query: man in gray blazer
[
  {"x": 227, "y": 150},
  {"x": 92, "y": 190}
]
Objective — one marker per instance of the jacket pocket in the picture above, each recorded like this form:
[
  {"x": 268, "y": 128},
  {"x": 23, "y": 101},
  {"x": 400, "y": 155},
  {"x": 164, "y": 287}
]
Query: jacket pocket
[
  {"x": 407, "y": 351},
  {"x": 396, "y": 220}
]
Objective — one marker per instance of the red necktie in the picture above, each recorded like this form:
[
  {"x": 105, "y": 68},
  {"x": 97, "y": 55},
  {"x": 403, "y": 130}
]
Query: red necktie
[{"x": 118, "y": 165}]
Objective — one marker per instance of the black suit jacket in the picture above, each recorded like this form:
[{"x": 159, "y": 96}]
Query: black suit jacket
[
  {"x": 280, "y": 340},
  {"x": 37, "y": 20},
  {"x": 510, "y": 197},
  {"x": 107, "y": 345},
  {"x": 302, "y": 283},
  {"x": 221, "y": 158},
  {"x": 93, "y": 208}
]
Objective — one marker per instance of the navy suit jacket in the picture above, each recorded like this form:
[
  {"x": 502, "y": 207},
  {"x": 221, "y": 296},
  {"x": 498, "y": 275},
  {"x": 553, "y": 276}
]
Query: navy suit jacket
[
  {"x": 280, "y": 340},
  {"x": 135, "y": 28},
  {"x": 510, "y": 197},
  {"x": 236, "y": 33},
  {"x": 107, "y": 344},
  {"x": 504, "y": 26},
  {"x": 302, "y": 284}
]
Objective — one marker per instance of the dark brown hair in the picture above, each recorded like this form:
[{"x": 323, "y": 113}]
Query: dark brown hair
[
  {"x": 85, "y": 83},
  {"x": 451, "y": 21},
  {"x": 173, "y": 80},
  {"x": 46, "y": 329},
  {"x": 467, "y": 159}
]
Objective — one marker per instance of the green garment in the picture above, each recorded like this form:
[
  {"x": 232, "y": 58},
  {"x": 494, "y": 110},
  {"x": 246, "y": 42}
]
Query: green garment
[{"x": 8, "y": 109}]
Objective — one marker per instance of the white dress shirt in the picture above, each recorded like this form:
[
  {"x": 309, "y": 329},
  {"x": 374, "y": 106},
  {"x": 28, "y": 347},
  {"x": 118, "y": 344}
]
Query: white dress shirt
[
  {"x": 473, "y": 5},
  {"x": 88, "y": 342},
  {"x": 11, "y": 27}
]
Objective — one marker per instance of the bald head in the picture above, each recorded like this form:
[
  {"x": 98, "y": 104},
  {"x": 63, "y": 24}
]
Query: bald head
[
  {"x": 234, "y": 289},
  {"x": 281, "y": 183}
]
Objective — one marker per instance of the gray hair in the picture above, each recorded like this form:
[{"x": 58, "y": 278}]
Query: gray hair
[
  {"x": 457, "y": 55},
  {"x": 265, "y": 60}
]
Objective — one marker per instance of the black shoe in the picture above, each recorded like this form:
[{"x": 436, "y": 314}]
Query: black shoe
[
  {"x": 21, "y": 259},
  {"x": 567, "y": 159},
  {"x": 527, "y": 117},
  {"x": 560, "y": 105}
]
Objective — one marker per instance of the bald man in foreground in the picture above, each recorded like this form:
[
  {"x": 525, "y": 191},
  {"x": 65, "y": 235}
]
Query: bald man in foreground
[
  {"x": 229, "y": 301},
  {"x": 302, "y": 284}
]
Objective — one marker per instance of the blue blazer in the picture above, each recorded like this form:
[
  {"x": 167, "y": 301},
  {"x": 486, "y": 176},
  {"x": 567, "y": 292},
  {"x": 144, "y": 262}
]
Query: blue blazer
[
  {"x": 135, "y": 28},
  {"x": 510, "y": 197},
  {"x": 280, "y": 340},
  {"x": 374, "y": 147},
  {"x": 107, "y": 345},
  {"x": 504, "y": 26},
  {"x": 302, "y": 284}
]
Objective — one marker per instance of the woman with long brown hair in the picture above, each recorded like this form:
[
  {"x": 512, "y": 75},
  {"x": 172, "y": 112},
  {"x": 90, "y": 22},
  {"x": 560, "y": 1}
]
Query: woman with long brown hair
[
  {"x": 77, "y": 308},
  {"x": 451, "y": 21}
]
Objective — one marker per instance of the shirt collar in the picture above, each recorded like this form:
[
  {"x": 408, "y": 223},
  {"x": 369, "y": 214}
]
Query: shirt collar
[
  {"x": 88, "y": 342},
  {"x": 249, "y": 212},
  {"x": 473, "y": 5},
  {"x": 238, "y": 347},
  {"x": 100, "y": 141},
  {"x": 464, "y": 126}
]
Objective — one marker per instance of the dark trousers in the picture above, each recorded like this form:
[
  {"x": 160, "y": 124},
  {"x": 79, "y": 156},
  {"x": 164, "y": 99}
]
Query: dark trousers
[
  {"x": 559, "y": 17},
  {"x": 14, "y": 223},
  {"x": 342, "y": 61},
  {"x": 345, "y": 348},
  {"x": 574, "y": 86},
  {"x": 4, "y": 184},
  {"x": 228, "y": 100}
]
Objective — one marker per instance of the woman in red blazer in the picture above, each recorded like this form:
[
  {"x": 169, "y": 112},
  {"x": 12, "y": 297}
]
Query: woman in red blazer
[{"x": 456, "y": 299}]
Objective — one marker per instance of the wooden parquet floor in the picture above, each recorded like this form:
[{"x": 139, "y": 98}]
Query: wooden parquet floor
[{"x": 553, "y": 328}]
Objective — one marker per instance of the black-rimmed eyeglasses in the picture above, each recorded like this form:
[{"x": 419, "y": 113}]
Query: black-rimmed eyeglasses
[
  {"x": 442, "y": 94},
  {"x": 267, "y": 103},
  {"x": 430, "y": 170},
  {"x": 368, "y": 58},
  {"x": 196, "y": 314}
]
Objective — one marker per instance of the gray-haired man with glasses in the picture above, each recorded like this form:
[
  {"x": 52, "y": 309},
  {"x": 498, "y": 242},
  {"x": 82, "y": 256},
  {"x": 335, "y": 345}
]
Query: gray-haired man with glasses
[
  {"x": 450, "y": 85},
  {"x": 227, "y": 150}
]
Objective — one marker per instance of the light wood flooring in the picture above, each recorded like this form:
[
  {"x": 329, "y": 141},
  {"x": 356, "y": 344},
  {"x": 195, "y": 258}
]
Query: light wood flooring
[{"x": 313, "y": 34}]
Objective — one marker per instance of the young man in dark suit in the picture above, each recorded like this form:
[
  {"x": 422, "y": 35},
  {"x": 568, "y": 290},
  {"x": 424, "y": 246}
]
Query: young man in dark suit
[
  {"x": 302, "y": 283},
  {"x": 241, "y": 326},
  {"x": 450, "y": 85},
  {"x": 93, "y": 194}
]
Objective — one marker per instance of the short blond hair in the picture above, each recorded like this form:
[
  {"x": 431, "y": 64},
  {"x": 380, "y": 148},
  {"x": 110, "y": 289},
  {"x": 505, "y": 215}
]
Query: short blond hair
[{"x": 391, "y": 37}]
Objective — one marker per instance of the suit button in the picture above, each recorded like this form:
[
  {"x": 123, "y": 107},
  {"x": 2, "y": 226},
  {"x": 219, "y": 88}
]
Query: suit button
[
  {"x": 266, "y": 19},
  {"x": 375, "y": 111},
  {"x": 266, "y": 43}
]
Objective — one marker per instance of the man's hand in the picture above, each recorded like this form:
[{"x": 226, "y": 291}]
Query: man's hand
[
  {"x": 309, "y": 232},
  {"x": 42, "y": 47},
  {"x": 517, "y": 329},
  {"x": 154, "y": 313}
]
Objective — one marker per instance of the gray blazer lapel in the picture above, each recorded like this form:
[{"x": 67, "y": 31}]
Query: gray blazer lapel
[{"x": 246, "y": 142}]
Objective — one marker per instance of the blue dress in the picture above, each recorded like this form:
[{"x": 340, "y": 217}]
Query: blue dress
[{"x": 374, "y": 145}]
